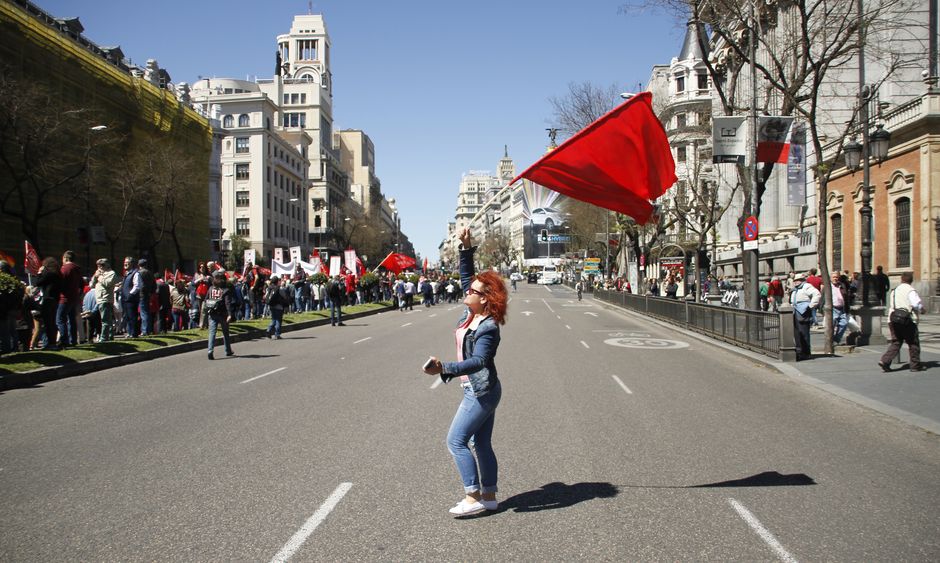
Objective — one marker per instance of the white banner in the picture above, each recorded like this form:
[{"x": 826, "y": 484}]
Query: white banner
[
  {"x": 295, "y": 253},
  {"x": 315, "y": 264},
  {"x": 334, "y": 265},
  {"x": 250, "y": 256},
  {"x": 278, "y": 254},
  {"x": 729, "y": 142},
  {"x": 350, "y": 256},
  {"x": 282, "y": 269}
]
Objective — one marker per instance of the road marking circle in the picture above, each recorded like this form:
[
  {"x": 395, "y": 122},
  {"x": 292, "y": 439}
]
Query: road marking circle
[{"x": 647, "y": 343}]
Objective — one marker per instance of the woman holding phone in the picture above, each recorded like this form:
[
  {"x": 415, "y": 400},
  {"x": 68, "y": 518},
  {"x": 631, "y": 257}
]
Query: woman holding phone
[{"x": 477, "y": 338}]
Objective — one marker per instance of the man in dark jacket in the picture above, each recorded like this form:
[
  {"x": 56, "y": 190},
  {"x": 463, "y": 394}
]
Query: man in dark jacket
[
  {"x": 148, "y": 285},
  {"x": 70, "y": 300},
  {"x": 219, "y": 309},
  {"x": 335, "y": 289},
  {"x": 130, "y": 296}
]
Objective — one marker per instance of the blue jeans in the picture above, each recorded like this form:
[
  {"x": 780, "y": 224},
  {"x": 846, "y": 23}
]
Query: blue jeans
[
  {"x": 146, "y": 317},
  {"x": 839, "y": 321},
  {"x": 336, "y": 312},
  {"x": 277, "y": 316},
  {"x": 474, "y": 419},
  {"x": 226, "y": 339},
  {"x": 65, "y": 322}
]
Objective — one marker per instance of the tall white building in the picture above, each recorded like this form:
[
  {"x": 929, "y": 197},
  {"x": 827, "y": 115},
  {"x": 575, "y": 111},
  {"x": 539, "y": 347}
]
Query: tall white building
[{"x": 263, "y": 184}]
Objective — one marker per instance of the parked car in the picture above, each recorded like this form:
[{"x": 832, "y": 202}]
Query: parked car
[{"x": 548, "y": 217}]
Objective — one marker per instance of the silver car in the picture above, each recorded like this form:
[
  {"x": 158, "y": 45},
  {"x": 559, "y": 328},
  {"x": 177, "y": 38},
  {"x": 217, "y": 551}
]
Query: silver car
[{"x": 547, "y": 216}]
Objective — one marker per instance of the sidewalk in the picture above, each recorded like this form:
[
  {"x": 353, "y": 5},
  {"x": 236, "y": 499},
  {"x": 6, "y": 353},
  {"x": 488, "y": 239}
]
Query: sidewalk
[{"x": 912, "y": 397}]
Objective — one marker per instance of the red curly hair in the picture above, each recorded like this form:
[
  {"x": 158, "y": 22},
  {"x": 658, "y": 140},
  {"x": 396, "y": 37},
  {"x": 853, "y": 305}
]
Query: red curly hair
[{"x": 496, "y": 296}]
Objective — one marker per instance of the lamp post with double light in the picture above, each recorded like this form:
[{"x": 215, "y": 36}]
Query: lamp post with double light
[{"x": 875, "y": 145}]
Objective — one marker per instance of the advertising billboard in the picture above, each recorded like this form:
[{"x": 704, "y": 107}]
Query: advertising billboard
[{"x": 545, "y": 216}]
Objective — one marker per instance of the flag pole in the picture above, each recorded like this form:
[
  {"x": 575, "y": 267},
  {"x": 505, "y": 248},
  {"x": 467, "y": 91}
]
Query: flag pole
[{"x": 382, "y": 262}]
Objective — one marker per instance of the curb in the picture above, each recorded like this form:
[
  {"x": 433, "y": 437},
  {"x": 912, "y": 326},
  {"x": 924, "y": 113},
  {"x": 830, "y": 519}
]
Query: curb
[{"x": 44, "y": 375}]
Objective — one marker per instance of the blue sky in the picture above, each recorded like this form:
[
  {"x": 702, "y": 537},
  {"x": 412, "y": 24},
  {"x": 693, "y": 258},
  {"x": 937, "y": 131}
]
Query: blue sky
[{"x": 439, "y": 86}]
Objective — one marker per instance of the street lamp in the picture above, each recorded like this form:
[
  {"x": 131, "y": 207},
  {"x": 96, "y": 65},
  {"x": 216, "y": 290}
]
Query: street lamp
[{"x": 858, "y": 154}]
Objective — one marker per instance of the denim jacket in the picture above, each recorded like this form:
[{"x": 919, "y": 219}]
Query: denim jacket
[{"x": 479, "y": 346}]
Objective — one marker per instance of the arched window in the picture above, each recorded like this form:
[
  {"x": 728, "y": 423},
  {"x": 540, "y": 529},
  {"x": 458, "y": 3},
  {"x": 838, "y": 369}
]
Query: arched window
[
  {"x": 836, "y": 221},
  {"x": 902, "y": 233},
  {"x": 243, "y": 120},
  {"x": 228, "y": 121}
]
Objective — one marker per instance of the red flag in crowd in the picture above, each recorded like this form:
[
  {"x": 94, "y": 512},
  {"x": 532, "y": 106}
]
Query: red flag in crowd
[
  {"x": 360, "y": 267},
  {"x": 167, "y": 276},
  {"x": 178, "y": 275},
  {"x": 395, "y": 262},
  {"x": 32, "y": 262},
  {"x": 619, "y": 162},
  {"x": 425, "y": 264}
]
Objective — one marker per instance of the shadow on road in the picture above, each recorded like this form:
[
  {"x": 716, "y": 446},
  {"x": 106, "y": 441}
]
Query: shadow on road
[
  {"x": 765, "y": 479},
  {"x": 557, "y": 495}
]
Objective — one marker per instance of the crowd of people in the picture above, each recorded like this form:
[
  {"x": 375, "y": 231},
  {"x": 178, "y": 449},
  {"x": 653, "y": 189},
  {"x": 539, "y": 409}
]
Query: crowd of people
[{"x": 61, "y": 306}]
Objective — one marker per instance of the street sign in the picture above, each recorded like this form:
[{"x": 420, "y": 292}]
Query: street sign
[
  {"x": 750, "y": 228},
  {"x": 592, "y": 265}
]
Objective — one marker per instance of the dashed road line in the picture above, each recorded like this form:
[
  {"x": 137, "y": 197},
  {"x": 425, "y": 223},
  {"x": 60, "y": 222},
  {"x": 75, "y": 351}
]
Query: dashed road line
[
  {"x": 363, "y": 339},
  {"x": 432, "y": 316},
  {"x": 264, "y": 374},
  {"x": 625, "y": 388},
  {"x": 547, "y": 305},
  {"x": 406, "y": 324},
  {"x": 298, "y": 539},
  {"x": 568, "y": 327},
  {"x": 583, "y": 343},
  {"x": 761, "y": 531}
]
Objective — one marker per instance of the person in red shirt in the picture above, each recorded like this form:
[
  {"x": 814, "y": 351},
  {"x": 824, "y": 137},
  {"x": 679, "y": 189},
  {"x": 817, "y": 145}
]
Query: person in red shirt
[
  {"x": 775, "y": 293},
  {"x": 813, "y": 279},
  {"x": 70, "y": 300}
]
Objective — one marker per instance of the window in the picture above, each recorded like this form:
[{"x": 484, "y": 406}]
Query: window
[
  {"x": 680, "y": 84},
  {"x": 902, "y": 209},
  {"x": 242, "y": 227},
  {"x": 286, "y": 99},
  {"x": 268, "y": 176},
  {"x": 295, "y": 98},
  {"x": 703, "y": 81},
  {"x": 680, "y": 120},
  {"x": 303, "y": 98},
  {"x": 307, "y": 49},
  {"x": 228, "y": 121},
  {"x": 269, "y": 201},
  {"x": 836, "y": 221},
  {"x": 241, "y": 199},
  {"x": 241, "y": 144},
  {"x": 680, "y": 154},
  {"x": 241, "y": 171},
  {"x": 704, "y": 118},
  {"x": 295, "y": 119},
  {"x": 244, "y": 120}
]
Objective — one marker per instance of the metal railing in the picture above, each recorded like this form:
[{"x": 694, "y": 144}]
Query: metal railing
[{"x": 755, "y": 330}]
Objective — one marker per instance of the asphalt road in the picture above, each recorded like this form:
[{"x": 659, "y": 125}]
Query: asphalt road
[{"x": 617, "y": 440}]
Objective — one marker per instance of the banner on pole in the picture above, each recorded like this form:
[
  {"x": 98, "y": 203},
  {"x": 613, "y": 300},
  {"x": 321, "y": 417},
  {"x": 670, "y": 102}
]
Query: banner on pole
[
  {"x": 334, "y": 265},
  {"x": 250, "y": 256},
  {"x": 278, "y": 254},
  {"x": 773, "y": 138},
  {"x": 729, "y": 142},
  {"x": 796, "y": 168},
  {"x": 350, "y": 260},
  {"x": 295, "y": 254}
]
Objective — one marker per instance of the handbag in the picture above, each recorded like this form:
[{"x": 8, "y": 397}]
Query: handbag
[{"x": 900, "y": 317}]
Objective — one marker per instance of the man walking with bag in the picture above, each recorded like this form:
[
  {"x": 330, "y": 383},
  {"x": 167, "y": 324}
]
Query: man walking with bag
[{"x": 904, "y": 304}]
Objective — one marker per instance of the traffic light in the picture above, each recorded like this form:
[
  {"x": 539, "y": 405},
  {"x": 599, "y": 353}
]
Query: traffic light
[{"x": 544, "y": 235}]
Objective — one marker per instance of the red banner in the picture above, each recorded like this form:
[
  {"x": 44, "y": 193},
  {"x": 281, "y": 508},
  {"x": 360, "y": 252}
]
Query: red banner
[
  {"x": 32, "y": 262},
  {"x": 395, "y": 262}
]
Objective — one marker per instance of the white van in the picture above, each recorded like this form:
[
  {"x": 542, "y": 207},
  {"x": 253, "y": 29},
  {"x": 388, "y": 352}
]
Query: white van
[{"x": 550, "y": 276}]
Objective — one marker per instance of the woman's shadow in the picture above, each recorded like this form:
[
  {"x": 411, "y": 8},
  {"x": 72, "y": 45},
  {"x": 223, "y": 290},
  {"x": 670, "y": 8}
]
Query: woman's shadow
[{"x": 557, "y": 495}]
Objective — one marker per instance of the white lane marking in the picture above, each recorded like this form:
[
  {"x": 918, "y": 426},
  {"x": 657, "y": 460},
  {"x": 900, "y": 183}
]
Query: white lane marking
[
  {"x": 625, "y": 388},
  {"x": 432, "y": 316},
  {"x": 761, "y": 531},
  {"x": 527, "y": 313},
  {"x": 590, "y": 313},
  {"x": 568, "y": 327},
  {"x": 406, "y": 324},
  {"x": 559, "y": 317},
  {"x": 547, "y": 305},
  {"x": 437, "y": 382},
  {"x": 298, "y": 539},
  {"x": 583, "y": 343},
  {"x": 362, "y": 339},
  {"x": 264, "y": 374}
]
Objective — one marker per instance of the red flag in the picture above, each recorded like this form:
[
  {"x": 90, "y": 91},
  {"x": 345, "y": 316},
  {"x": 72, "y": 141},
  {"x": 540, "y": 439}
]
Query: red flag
[
  {"x": 32, "y": 262},
  {"x": 619, "y": 162},
  {"x": 167, "y": 276},
  {"x": 395, "y": 262},
  {"x": 425, "y": 264},
  {"x": 360, "y": 267}
]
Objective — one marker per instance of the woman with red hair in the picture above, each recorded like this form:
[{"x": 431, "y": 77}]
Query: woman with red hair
[{"x": 477, "y": 338}]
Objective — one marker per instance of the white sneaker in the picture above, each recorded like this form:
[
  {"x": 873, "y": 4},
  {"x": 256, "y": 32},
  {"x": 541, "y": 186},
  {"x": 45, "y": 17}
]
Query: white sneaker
[{"x": 464, "y": 508}]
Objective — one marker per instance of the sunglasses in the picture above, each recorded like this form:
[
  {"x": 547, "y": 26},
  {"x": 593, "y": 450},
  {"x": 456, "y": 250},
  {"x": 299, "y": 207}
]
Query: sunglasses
[{"x": 472, "y": 291}]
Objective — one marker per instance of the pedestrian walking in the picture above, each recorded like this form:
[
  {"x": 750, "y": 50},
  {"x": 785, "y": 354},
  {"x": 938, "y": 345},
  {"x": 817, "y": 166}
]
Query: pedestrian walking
[
  {"x": 218, "y": 308},
  {"x": 277, "y": 299},
  {"x": 477, "y": 338},
  {"x": 904, "y": 307},
  {"x": 804, "y": 298}
]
